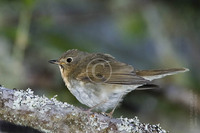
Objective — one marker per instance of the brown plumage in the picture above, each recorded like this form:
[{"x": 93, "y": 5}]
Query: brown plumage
[{"x": 99, "y": 79}]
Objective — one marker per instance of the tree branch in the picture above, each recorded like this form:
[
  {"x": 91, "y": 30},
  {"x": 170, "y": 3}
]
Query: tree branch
[{"x": 49, "y": 115}]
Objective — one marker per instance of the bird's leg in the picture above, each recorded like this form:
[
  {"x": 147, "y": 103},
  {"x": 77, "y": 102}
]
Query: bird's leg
[
  {"x": 89, "y": 110},
  {"x": 113, "y": 110}
]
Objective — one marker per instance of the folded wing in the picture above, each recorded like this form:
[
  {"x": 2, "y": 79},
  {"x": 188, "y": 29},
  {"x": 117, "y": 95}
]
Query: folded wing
[{"x": 105, "y": 69}]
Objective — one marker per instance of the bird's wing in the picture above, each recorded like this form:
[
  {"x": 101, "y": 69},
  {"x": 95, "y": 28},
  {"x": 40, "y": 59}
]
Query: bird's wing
[{"x": 105, "y": 69}]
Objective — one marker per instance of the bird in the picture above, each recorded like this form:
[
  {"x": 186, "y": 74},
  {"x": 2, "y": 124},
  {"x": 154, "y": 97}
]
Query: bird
[{"x": 100, "y": 82}]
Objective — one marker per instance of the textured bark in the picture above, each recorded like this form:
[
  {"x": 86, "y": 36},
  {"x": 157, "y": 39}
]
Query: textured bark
[{"x": 52, "y": 116}]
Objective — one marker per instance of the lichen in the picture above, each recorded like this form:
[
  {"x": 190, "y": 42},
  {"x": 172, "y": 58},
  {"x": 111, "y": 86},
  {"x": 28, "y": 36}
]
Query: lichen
[
  {"x": 126, "y": 124},
  {"x": 49, "y": 115},
  {"x": 28, "y": 99},
  {"x": 95, "y": 121},
  {"x": 134, "y": 126}
]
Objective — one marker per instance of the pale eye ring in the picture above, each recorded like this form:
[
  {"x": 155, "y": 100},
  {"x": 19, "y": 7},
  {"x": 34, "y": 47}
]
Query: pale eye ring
[{"x": 69, "y": 59}]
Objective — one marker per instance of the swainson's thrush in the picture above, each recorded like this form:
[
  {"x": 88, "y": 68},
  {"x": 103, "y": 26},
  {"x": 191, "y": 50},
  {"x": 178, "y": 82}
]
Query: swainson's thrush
[{"x": 97, "y": 79}]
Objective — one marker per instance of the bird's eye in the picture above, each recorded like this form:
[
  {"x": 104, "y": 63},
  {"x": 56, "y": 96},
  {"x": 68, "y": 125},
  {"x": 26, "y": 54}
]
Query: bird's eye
[{"x": 69, "y": 60}]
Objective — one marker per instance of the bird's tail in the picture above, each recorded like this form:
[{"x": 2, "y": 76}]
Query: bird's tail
[{"x": 156, "y": 74}]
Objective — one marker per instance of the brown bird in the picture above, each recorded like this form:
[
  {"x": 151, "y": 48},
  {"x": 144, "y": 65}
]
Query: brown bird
[{"x": 100, "y": 81}]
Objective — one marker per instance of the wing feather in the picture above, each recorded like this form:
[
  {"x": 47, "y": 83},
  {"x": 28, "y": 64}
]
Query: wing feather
[{"x": 102, "y": 68}]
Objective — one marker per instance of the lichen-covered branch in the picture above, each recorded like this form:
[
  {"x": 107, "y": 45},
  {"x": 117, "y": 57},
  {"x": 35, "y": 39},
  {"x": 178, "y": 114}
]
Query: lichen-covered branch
[{"x": 52, "y": 116}]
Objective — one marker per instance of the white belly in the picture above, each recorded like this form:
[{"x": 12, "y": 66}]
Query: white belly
[{"x": 92, "y": 94}]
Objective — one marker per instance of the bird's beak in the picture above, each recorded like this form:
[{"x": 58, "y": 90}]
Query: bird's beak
[{"x": 54, "y": 62}]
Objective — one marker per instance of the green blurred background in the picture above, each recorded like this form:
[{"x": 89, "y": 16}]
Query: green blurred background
[{"x": 148, "y": 34}]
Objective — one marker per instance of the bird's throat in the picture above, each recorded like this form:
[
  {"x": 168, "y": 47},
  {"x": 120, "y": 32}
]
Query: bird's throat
[{"x": 64, "y": 75}]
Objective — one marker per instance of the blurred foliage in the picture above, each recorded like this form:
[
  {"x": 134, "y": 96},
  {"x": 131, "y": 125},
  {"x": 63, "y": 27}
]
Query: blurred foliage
[{"x": 146, "y": 34}]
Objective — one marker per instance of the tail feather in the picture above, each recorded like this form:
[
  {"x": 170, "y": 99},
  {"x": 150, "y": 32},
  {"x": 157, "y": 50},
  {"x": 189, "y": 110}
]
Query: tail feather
[
  {"x": 156, "y": 74},
  {"x": 147, "y": 87}
]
